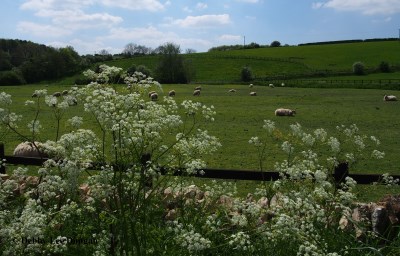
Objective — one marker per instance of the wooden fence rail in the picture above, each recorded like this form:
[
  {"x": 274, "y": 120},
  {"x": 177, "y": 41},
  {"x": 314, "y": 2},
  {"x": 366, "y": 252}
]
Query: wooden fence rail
[{"x": 228, "y": 174}]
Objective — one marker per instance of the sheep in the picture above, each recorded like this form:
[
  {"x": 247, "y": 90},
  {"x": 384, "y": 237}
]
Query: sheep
[
  {"x": 35, "y": 95},
  {"x": 389, "y": 98},
  {"x": 65, "y": 92},
  {"x": 271, "y": 85},
  {"x": 150, "y": 93},
  {"x": 253, "y": 94},
  {"x": 196, "y": 93},
  {"x": 28, "y": 149},
  {"x": 285, "y": 112},
  {"x": 250, "y": 85},
  {"x": 154, "y": 96},
  {"x": 232, "y": 90},
  {"x": 171, "y": 93},
  {"x": 57, "y": 94},
  {"x": 282, "y": 84},
  {"x": 198, "y": 88}
]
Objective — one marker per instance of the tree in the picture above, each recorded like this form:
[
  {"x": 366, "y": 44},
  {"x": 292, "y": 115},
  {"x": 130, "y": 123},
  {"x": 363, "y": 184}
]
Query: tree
[
  {"x": 275, "y": 44},
  {"x": 358, "y": 68},
  {"x": 171, "y": 66},
  {"x": 246, "y": 74},
  {"x": 384, "y": 67},
  {"x": 190, "y": 50}
]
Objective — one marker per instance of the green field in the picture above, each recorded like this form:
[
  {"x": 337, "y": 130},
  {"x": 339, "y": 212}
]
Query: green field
[
  {"x": 240, "y": 117},
  {"x": 289, "y": 61}
]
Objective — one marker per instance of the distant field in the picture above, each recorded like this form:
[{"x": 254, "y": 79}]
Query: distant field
[
  {"x": 240, "y": 117},
  {"x": 291, "y": 61}
]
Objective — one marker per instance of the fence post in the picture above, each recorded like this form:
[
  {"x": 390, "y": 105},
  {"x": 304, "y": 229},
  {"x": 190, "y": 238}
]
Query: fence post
[{"x": 2, "y": 156}]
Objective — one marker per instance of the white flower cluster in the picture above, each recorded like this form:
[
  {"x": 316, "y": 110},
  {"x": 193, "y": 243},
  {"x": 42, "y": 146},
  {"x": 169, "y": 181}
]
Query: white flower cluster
[
  {"x": 241, "y": 241},
  {"x": 188, "y": 239},
  {"x": 389, "y": 180}
]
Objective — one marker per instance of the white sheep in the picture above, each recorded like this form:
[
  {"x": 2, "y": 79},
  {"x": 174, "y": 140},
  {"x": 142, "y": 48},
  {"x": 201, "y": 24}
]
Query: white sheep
[
  {"x": 28, "y": 149},
  {"x": 150, "y": 93},
  {"x": 171, "y": 93},
  {"x": 57, "y": 94},
  {"x": 232, "y": 90},
  {"x": 198, "y": 88},
  {"x": 282, "y": 84},
  {"x": 196, "y": 93},
  {"x": 154, "y": 96},
  {"x": 65, "y": 92},
  {"x": 389, "y": 98},
  {"x": 253, "y": 94},
  {"x": 285, "y": 112},
  {"x": 271, "y": 85},
  {"x": 250, "y": 85},
  {"x": 35, "y": 95}
]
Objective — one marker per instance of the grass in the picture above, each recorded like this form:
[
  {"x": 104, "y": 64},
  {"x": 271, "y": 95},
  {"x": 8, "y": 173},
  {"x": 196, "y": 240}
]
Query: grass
[
  {"x": 299, "y": 61},
  {"x": 240, "y": 117}
]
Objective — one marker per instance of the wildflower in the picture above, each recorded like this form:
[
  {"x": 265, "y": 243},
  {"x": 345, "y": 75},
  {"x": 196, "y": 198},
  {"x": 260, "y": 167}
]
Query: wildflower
[
  {"x": 287, "y": 147},
  {"x": 334, "y": 144},
  {"x": 269, "y": 125},
  {"x": 377, "y": 154}
]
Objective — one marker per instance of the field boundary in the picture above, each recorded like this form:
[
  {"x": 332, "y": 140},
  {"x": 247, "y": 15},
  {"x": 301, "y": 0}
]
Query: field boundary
[{"x": 211, "y": 173}]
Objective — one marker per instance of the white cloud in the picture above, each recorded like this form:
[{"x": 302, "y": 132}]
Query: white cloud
[
  {"x": 187, "y": 9},
  {"x": 149, "y": 5},
  {"x": 201, "y": 6},
  {"x": 227, "y": 37},
  {"x": 203, "y": 21},
  {"x": 42, "y": 30},
  {"x": 248, "y": 1},
  {"x": 367, "y": 7}
]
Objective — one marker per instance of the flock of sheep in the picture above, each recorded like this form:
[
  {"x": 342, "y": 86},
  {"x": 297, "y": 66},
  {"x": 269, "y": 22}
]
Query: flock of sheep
[{"x": 28, "y": 149}]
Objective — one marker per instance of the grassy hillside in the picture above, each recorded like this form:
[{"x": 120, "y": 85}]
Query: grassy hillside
[{"x": 291, "y": 61}]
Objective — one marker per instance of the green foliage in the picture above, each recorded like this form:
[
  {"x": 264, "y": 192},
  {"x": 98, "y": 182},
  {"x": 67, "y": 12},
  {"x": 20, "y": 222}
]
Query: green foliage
[
  {"x": 358, "y": 68},
  {"x": 246, "y": 74},
  {"x": 171, "y": 68},
  {"x": 384, "y": 67},
  {"x": 275, "y": 44},
  {"x": 13, "y": 77}
]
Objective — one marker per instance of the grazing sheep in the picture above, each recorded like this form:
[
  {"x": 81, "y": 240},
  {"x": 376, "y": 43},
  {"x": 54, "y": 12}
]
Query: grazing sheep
[
  {"x": 28, "y": 149},
  {"x": 154, "y": 96},
  {"x": 250, "y": 85},
  {"x": 271, "y": 85},
  {"x": 285, "y": 112},
  {"x": 35, "y": 95},
  {"x": 65, "y": 92},
  {"x": 57, "y": 94},
  {"x": 282, "y": 84},
  {"x": 198, "y": 88},
  {"x": 232, "y": 90},
  {"x": 171, "y": 93},
  {"x": 150, "y": 93},
  {"x": 196, "y": 93},
  {"x": 253, "y": 94},
  {"x": 389, "y": 98}
]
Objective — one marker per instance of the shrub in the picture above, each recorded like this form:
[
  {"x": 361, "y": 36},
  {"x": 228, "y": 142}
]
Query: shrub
[
  {"x": 275, "y": 44},
  {"x": 246, "y": 74},
  {"x": 384, "y": 67},
  {"x": 359, "y": 68},
  {"x": 11, "y": 78}
]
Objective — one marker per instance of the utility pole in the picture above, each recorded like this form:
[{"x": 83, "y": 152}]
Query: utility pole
[{"x": 244, "y": 41}]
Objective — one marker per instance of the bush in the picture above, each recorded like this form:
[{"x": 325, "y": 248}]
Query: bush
[
  {"x": 275, "y": 44},
  {"x": 246, "y": 74},
  {"x": 11, "y": 78},
  {"x": 384, "y": 67},
  {"x": 359, "y": 68}
]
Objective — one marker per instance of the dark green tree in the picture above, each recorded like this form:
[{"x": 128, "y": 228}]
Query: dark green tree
[
  {"x": 246, "y": 74},
  {"x": 171, "y": 65}
]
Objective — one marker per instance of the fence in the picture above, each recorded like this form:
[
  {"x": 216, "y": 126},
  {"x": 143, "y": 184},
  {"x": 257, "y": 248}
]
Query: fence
[{"x": 339, "y": 175}]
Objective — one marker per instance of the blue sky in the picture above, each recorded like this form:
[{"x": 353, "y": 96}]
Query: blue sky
[{"x": 93, "y": 25}]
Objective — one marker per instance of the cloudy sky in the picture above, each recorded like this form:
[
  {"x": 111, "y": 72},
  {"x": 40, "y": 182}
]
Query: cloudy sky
[{"x": 93, "y": 25}]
